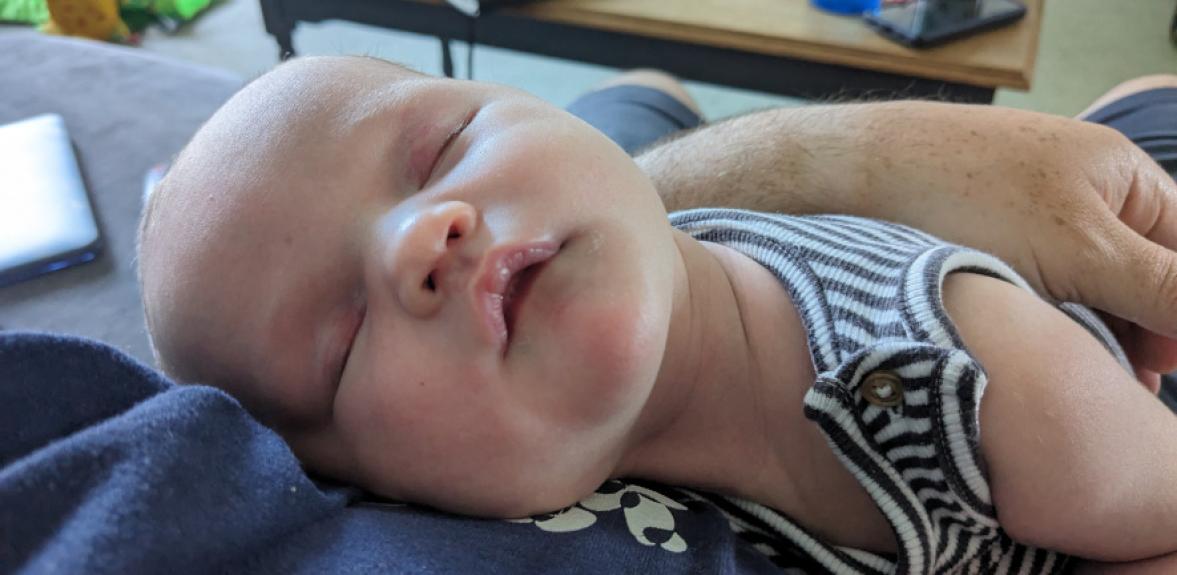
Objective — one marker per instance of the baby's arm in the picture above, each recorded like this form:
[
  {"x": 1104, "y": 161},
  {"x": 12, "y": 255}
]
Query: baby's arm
[{"x": 1081, "y": 458}]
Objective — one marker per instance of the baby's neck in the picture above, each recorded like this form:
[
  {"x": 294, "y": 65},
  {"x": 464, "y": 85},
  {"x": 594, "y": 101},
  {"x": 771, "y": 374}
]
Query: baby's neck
[{"x": 730, "y": 382}]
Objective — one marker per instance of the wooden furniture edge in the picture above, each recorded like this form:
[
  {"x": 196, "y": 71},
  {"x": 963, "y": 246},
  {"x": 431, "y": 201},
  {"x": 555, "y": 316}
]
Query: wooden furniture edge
[{"x": 826, "y": 54}]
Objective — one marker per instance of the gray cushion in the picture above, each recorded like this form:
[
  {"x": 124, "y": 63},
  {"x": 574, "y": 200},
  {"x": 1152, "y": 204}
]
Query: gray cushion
[{"x": 125, "y": 110}]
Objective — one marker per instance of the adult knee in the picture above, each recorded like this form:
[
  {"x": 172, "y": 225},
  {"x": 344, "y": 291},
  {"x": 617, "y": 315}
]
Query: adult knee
[
  {"x": 657, "y": 79},
  {"x": 1145, "y": 83},
  {"x": 1129, "y": 87}
]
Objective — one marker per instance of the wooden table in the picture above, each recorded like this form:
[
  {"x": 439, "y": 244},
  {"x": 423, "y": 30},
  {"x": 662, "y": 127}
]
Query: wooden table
[{"x": 782, "y": 46}]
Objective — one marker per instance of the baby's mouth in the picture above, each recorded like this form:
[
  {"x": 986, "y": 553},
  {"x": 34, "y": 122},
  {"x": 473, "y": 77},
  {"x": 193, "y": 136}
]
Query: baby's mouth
[
  {"x": 504, "y": 282},
  {"x": 517, "y": 289}
]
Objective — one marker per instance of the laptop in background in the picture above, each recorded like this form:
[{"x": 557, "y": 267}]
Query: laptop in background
[{"x": 46, "y": 221}]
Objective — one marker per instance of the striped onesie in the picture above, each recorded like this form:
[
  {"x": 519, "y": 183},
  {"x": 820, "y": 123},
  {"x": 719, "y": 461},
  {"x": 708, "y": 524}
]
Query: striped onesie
[{"x": 896, "y": 394}]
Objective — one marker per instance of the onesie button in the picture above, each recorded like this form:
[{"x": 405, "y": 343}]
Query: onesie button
[{"x": 883, "y": 388}]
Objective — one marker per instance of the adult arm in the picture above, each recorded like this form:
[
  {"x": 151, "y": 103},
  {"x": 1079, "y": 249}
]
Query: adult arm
[{"x": 1076, "y": 208}]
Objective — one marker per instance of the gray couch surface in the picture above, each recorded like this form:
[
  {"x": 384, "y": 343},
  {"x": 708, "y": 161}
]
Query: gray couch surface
[{"x": 126, "y": 110}]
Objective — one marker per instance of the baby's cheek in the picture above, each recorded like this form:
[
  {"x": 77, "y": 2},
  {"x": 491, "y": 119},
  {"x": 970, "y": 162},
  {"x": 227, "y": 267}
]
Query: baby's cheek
[{"x": 620, "y": 353}]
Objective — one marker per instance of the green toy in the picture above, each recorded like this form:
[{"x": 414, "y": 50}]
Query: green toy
[
  {"x": 24, "y": 11},
  {"x": 137, "y": 14}
]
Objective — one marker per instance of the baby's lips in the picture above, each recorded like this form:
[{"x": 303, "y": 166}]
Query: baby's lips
[
  {"x": 500, "y": 265},
  {"x": 503, "y": 262}
]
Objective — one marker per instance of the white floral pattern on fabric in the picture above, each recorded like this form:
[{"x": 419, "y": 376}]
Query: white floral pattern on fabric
[{"x": 648, "y": 514}]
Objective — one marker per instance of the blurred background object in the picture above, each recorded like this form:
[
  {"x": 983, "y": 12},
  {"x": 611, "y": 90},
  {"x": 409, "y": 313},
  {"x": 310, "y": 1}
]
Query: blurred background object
[
  {"x": 108, "y": 20},
  {"x": 1084, "y": 48}
]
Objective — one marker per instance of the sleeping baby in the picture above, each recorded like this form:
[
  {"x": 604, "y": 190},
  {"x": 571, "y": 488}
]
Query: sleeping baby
[{"x": 455, "y": 294}]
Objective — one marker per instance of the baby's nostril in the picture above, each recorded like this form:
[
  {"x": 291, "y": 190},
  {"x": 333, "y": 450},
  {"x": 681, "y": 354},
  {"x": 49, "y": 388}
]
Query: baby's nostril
[{"x": 429, "y": 283}]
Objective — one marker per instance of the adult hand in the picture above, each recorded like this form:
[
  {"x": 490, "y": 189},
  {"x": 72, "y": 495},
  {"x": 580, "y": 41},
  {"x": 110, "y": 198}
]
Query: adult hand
[
  {"x": 1099, "y": 218},
  {"x": 1075, "y": 207}
]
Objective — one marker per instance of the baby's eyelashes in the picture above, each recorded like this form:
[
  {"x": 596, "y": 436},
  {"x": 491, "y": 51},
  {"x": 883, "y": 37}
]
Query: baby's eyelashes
[{"x": 441, "y": 154}]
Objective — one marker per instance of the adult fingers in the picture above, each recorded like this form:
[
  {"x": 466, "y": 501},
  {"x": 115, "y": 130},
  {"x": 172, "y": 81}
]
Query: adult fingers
[
  {"x": 1150, "y": 206},
  {"x": 1128, "y": 276},
  {"x": 1149, "y": 353},
  {"x": 1151, "y": 380},
  {"x": 1153, "y": 351},
  {"x": 1131, "y": 264}
]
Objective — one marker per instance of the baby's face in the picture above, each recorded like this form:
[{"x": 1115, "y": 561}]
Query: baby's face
[{"x": 444, "y": 291}]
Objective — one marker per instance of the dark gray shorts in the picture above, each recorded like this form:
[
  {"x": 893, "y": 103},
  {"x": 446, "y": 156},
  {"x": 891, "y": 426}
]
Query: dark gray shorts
[
  {"x": 1149, "y": 119},
  {"x": 634, "y": 116}
]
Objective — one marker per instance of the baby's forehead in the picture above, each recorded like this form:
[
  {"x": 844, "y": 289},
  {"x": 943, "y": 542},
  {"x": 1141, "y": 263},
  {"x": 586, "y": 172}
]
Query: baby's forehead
[
  {"x": 279, "y": 118},
  {"x": 323, "y": 70},
  {"x": 312, "y": 90},
  {"x": 289, "y": 112}
]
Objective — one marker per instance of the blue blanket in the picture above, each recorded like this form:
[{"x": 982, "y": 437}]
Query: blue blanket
[{"x": 106, "y": 466}]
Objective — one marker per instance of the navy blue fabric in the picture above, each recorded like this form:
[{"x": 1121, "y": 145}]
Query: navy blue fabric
[
  {"x": 1149, "y": 119},
  {"x": 634, "y": 116},
  {"x": 108, "y": 467}
]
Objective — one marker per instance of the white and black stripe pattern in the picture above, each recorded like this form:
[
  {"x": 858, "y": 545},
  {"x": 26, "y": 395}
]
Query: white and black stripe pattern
[{"x": 868, "y": 293}]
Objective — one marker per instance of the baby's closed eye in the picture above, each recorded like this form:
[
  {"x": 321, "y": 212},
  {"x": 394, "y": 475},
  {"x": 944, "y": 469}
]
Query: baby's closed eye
[{"x": 443, "y": 152}]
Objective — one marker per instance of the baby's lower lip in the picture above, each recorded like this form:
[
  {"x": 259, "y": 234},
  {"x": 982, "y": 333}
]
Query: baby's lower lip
[
  {"x": 492, "y": 305},
  {"x": 517, "y": 292},
  {"x": 504, "y": 285}
]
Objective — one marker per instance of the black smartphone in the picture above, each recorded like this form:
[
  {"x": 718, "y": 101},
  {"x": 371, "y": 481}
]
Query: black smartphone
[
  {"x": 923, "y": 23},
  {"x": 46, "y": 223}
]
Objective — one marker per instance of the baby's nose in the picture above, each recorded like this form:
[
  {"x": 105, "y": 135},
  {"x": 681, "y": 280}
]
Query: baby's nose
[{"x": 423, "y": 253}]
